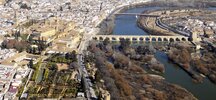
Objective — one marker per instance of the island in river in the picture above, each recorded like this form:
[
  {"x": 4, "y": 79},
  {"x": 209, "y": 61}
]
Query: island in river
[{"x": 120, "y": 71}]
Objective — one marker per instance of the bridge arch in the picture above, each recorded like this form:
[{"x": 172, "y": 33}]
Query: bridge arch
[
  {"x": 159, "y": 39},
  {"x": 177, "y": 39},
  {"x": 101, "y": 38},
  {"x": 134, "y": 39},
  {"x": 121, "y": 38},
  {"x": 171, "y": 40},
  {"x": 113, "y": 39},
  {"x": 165, "y": 39},
  {"x": 183, "y": 39},
  {"x": 95, "y": 38},
  {"x": 141, "y": 39},
  {"x": 107, "y": 38},
  {"x": 153, "y": 39},
  {"x": 147, "y": 39}
]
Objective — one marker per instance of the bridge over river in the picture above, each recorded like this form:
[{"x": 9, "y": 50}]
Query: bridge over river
[{"x": 145, "y": 38}]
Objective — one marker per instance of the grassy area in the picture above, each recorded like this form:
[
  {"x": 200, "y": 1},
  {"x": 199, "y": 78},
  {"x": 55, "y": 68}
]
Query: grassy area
[
  {"x": 36, "y": 71},
  {"x": 67, "y": 58},
  {"x": 72, "y": 90},
  {"x": 58, "y": 81}
]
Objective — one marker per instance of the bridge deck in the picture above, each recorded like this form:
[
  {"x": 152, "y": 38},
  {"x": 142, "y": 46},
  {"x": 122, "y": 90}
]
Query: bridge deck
[
  {"x": 141, "y": 37},
  {"x": 138, "y": 36}
]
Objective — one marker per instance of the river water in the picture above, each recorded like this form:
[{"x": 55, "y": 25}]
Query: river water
[{"x": 126, "y": 25}]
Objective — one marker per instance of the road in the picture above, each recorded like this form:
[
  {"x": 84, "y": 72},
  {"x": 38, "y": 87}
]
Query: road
[
  {"x": 89, "y": 91},
  {"x": 29, "y": 77},
  {"x": 160, "y": 24}
]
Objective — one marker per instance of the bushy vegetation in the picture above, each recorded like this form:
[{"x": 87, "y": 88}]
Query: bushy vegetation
[
  {"x": 181, "y": 56},
  {"x": 67, "y": 58},
  {"x": 204, "y": 63},
  {"x": 15, "y": 44},
  {"x": 24, "y": 45},
  {"x": 119, "y": 67},
  {"x": 36, "y": 68}
]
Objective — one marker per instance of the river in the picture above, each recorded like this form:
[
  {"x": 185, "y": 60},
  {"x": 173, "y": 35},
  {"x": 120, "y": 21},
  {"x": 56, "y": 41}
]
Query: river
[{"x": 126, "y": 25}]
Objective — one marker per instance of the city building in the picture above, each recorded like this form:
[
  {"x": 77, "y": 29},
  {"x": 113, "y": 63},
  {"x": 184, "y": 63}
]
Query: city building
[{"x": 2, "y": 2}]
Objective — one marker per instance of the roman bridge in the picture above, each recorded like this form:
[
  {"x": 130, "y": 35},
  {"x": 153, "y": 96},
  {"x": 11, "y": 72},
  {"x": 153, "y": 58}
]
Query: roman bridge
[{"x": 144, "y": 38}]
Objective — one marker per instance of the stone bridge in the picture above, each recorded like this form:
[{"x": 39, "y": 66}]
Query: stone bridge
[{"x": 144, "y": 38}]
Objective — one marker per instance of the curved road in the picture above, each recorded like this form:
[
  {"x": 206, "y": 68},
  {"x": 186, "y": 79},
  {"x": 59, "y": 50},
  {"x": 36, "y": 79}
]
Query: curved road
[{"x": 160, "y": 24}]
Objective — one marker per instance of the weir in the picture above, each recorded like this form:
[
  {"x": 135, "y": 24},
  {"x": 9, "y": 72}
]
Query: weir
[{"x": 137, "y": 14}]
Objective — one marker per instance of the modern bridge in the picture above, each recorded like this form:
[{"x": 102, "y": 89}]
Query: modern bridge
[
  {"x": 144, "y": 38},
  {"x": 137, "y": 14}
]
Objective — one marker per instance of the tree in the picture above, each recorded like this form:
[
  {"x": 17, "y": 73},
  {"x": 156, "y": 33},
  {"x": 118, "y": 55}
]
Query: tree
[
  {"x": 30, "y": 39},
  {"x": 17, "y": 35},
  {"x": 151, "y": 49},
  {"x": 74, "y": 65},
  {"x": 140, "y": 50},
  {"x": 31, "y": 64},
  {"x": 106, "y": 41},
  {"x": 41, "y": 45},
  {"x": 33, "y": 50},
  {"x": 19, "y": 47},
  {"x": 53, "y": 67},
  {"x": 98, "y": 76},
  {"x": 125, "y": 44},
  {"x": 71, "y": 56},
  {"x": 67, "y": 56}
]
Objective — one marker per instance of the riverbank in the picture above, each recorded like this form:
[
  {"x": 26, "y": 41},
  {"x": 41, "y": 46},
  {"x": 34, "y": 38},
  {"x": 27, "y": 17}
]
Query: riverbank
[
  {"x": 142, "y": 22},
  {"x": 107, "y": 25},
  {"x": 119, "y": 67},
  {"x": 173, "y": 73}
]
